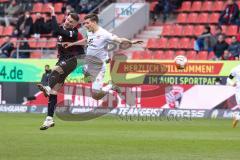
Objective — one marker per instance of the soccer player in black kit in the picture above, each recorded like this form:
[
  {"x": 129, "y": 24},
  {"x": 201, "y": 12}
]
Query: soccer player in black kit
[{"x": 67, "y": 62}]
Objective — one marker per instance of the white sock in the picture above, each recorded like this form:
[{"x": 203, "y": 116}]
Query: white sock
[{"x": 49, "y": 118}]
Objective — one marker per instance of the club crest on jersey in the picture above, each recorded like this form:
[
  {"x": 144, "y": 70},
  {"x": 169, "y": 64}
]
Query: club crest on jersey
[{"x": 60, "y": 38}]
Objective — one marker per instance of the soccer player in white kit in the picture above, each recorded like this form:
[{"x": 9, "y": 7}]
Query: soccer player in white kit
[
  {"x": 235, "y": 73},
  {"x": 97, "y": 54}
]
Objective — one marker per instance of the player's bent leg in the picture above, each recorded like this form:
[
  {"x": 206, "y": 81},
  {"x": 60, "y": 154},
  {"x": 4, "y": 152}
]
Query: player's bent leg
[
  {"x": 53, "y": 80},
  {"x": 44, "y": 89}
]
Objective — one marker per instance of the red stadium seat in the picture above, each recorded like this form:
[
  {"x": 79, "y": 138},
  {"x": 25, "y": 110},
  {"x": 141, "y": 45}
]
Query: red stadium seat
[
  {"x": 188, "y": 30},
  {"x": 37, "y": 7},
  {"x": 211, "y": 56},
  {"x": 177, "y": 53},
  {"x": 202, "y": 55},
  {"x": 202, "y": 18},
  {"x": 228, "y": 40},
  {"x": 58, "y": 7},
  {"x": 232, "y": 30},
  {"x": 169, "y": 55},
  {"x": 182, "y": 18},
  {"x": 152, "y": 6},
  {"x": 152, "y": 43},
  {"x": 146, "y": 55},
  {"x": 60, "y": 18},
  {"x": 196, "y": 6},
  {"x": 214, "y": 17},
  {"x": 158, "y": 55},
  {"x": 173, "y": 43},
  {"x": 177, "y": 30},
  {"x": 32, "y": 42},
  {"x": 4, "y": 1},
  {"x": 206, "y": 6},
  {"x": 42, "y": 43},
  {"x": 192, "y": 18},
  {"x": 162, "y": 43},
  {"x": 186, "y": 6},
  {"x": 36, "y": 55},
  {"x": 45, "y": 7},
  {"x": 167, "y": 30},
  {"x": 218, "y": 5},
  {"x": 8, "y": 31},
  {"x": 184, "y": 43},
  {"x": 191, "y": 55},
  {"x": 52, "y": 43},
  {"x": 198, "y": 30},
  {"x": 137, "y": 55}
]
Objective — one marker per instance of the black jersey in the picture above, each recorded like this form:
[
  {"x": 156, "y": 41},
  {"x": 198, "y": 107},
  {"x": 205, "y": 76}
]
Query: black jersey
[{"x": 66, "y": 35}]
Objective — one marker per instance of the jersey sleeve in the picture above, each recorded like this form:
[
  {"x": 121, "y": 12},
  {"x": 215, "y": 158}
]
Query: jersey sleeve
[{"x": 110, "y": 36}]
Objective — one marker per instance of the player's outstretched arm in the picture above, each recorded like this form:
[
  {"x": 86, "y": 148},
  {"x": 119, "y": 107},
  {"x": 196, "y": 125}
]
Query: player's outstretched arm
[
  {"x": 125, "y": 40},
  {"x": 81, "y": 42}
]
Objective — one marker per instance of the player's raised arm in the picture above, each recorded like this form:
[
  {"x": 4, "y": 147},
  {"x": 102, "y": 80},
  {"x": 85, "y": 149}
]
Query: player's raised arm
[
  {"x": 81, "y": 42},
  {"x": 67, "y": 24},
  {"x": 125, "y": 40}
]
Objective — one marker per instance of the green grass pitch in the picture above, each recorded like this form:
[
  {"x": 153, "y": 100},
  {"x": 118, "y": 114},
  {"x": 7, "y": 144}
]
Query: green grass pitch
[{"x": 109, "y": 138}]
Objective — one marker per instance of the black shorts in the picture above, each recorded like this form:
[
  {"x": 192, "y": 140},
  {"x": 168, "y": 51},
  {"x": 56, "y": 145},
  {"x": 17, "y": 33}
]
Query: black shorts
[{"x": 68, "y": 65}]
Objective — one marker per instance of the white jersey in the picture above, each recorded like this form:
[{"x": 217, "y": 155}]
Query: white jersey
[
  {"x": 96, "y": 43},
  {"x": 236, "y": 73}
]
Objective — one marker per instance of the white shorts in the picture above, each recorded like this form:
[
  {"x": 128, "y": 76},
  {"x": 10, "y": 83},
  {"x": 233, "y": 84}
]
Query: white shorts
[{"x": 96, "y": 72}]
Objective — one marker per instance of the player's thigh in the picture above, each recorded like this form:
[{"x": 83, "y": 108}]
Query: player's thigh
[{"x": 98, "y": 81}]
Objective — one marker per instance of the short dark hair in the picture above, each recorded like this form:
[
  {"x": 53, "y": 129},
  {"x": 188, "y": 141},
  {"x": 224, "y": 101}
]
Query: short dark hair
[
  {"x": 207, "y": 27},
  {"x": 92, "y": 16},
  {"x": 74, "y": 16}
]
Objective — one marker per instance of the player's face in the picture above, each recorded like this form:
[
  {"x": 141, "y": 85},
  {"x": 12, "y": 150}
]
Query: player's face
[
  {"x": 90, "y": 25},
  {"x": 70, "y": 22},
  {"x": 230, "y": 1}
]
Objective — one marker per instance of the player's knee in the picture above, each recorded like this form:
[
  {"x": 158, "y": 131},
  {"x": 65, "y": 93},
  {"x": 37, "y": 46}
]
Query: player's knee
[
  {"x": 98, "y": 95},
  {"x": 54, "y": 78}
]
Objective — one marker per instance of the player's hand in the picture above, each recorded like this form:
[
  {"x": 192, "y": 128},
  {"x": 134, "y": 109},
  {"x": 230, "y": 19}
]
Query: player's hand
[
  {"x": 137, "y": 42},
  {"x": 66, "y": 44},
  {"x": 52, "y": 9}
]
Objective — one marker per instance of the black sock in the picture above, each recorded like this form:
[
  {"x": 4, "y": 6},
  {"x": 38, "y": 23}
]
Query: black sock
[{"x": 52, "y": 104}]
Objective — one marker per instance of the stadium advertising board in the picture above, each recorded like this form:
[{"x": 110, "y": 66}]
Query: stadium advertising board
[
  {"x": 165, "y": 72},
  {"x": 135, "y": 113},
  {"x": 124, "y": 72},
  {"x": 125, "y": 10},
  {"x": 31, "y": 70},
  {"x": 149, "y": 96}
]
